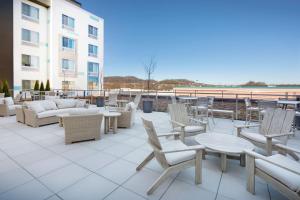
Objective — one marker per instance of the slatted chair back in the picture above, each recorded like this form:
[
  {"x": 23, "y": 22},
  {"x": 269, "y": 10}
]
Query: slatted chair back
[
  {"x": 137, "y": 99},
  {"x": 154, "y": 142},
  {"x": 112, "y": 99},
  {"x": 178, "y": 112},
  {"x": 263, "y": 104},
  {"x": 247, "y": 102},
  {"x": 211, "y": 101},
  {"x": 203, "y": 101},
  {"x": 173, "y": 98},
  {"x": 277, "y": 121}
]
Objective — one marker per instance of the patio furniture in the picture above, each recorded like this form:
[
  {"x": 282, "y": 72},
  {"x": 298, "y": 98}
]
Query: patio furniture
[
  {"x": 279, "y": 170},
  {"x": 26, "y": 96},
  {"x": 249, "y": 110},
  {"x": 275, "y": 128},
  {"x": 122, "y": 102},
  {"x": 20, "y": 115},
  {"x": 7, "y": 107},
  {"x": 127, "y": 117},
  {"x": 60, "y": 118},
  {"x": 112, "y": 100},
  {"x": 263, "y": 105},
  {"x": 225, "y": 144},
  {"x": 285, "y": 103},
  {"x": 111, "y": 121},
  {"x": 137, "y": 100},
  {"x": 173, "y": 156},
  {"x": 173, "y": 99},
  {"x": 82, "y": 127},
  {"x": 228, "y": 112},
  {"x": 184, "y": 124}
]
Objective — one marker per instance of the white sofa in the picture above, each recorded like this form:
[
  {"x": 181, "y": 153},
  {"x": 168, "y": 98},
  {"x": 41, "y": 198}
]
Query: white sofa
[
  {"x": 38, "y": 113},
  {"x": 7, "y": 106}
]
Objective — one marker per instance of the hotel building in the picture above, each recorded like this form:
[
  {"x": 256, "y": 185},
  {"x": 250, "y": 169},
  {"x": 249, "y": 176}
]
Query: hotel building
[{"x": 50, "y": 39}]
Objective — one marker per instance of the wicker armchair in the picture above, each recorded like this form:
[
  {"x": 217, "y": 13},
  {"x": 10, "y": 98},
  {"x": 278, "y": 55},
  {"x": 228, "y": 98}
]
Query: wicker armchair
[
  {"x": 82, "y": 127},
  {"x": 126, "y": 120}
]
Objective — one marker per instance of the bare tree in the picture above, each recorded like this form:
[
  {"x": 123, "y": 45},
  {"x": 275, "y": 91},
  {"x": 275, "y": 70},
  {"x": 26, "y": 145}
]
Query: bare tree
[{"x": 149, "y": 68}]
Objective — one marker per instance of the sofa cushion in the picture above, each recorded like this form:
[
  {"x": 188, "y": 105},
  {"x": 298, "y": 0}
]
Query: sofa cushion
[
  {"x": 84, "y": 111},
  {"x": 286, "y": 177},
  {"x": 13, "y": 107},
  {"x": 178, "y": 157},
  {"x": 35, "y": 106},
  {"x": 258, "y": 137},
  {"x": 48, "y": 105},
  {"x": 50, "y": 113},
  {"x": 8, "y": 101},
  {"x": 65, "y": 103},
  {"x": 80, "y": 103}
]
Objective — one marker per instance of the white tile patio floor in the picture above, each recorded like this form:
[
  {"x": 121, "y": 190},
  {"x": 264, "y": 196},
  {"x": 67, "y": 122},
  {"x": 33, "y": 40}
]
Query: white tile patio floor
[{"x": 36, "y": 164}]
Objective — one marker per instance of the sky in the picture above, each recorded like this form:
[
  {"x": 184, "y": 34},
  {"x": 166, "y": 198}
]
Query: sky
[{"x": 208, "y": 41}]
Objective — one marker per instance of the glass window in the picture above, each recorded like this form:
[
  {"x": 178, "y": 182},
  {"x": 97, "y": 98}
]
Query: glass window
[
  {"x": 93, "y": 50},
  {"x": 93, "y": 31},
  {"x": 30, "y": 11},
  {"x": 68, "y": 43},
  {"x": 68, "y": 22},
  {"x": 68, "y": 65},
  {"x": 30, "y": 36},
  {"x": 30, "y": 61}
]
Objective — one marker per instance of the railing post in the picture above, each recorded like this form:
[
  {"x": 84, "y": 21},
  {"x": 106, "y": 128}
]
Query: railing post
[
  {"x": 222, "y": 97},
  {"x": 156, "y": 99},
  {"x": 236, "y": 106}
]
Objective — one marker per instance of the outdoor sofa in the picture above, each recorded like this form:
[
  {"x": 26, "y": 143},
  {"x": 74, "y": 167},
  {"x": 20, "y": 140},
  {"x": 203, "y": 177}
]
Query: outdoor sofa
[{"x": 7, "y": 106}]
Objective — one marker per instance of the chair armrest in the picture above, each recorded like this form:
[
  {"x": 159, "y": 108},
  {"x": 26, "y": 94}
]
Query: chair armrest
[
  {"x": 187, "y": 148},
  {"x": 289, "y": 149},
  {"x": 178, "y": 123},
  {"x": 246, "y": 126},
  {"x": 258, "y": 156},
  {"x": 278, "y": 135},
  {"x": 168, "y": 134}
]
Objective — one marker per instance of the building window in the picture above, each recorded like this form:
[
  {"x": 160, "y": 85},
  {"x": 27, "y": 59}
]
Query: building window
[
  {"x": 30, "y": 61},
  {"x": 68, "y": 43},
  {"x": 93, "y": 50},
  {"x": 93, "y": 75},
  {"x": 30, "y": 37},
  {"x": 93, "y": 32},
  {"x": 68, "y": 22},
  {"x": 68, "y": 65},
  {"x": 30, "y": 12}
]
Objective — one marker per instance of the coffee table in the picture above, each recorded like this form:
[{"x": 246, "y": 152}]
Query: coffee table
[
  {"x": 225, "y": 145},
  {"x": 111, "y": 118}
]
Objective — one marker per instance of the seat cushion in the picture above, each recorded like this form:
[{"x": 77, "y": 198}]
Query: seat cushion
[
  {"x": 83, "y": 111},
  {"x": 258, "y": 137},
  {"x": 50, "y": 113},
  {"x": 190, "y": 130},
  {"x": 286, "y": 177},
  {"x": 13, "y": 107},
  {"x": 65, "y": 103},
  {"x": 178, "y": 157},
  {"x": 48, "y": 104},
  {"x": 8, "y": 101}
]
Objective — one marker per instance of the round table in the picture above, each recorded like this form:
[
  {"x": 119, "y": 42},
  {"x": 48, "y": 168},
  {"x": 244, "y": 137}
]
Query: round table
[
  {"x": 225, "y": 144},
  {"x": 111, "y": 118}
]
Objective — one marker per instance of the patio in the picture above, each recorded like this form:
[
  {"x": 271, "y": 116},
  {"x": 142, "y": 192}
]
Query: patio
[{"x": 36, "y": 164}]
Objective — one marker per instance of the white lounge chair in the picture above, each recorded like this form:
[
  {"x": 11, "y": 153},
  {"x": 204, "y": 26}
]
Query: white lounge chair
[
  {"x": 172, "y": 156},
  {"x": 249, "y": 110},
  {"x": 112, "y": 100},
  {"x": 275, "y": 128},
  {"x": 280, "y": 171},
  {"x": 183, "y": 123}
]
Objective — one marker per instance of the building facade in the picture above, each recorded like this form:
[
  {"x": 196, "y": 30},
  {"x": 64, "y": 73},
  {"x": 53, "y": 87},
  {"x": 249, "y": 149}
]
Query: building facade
[{"x": 55, "y": 40}]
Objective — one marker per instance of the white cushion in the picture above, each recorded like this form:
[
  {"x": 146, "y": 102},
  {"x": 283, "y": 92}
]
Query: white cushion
[
  {"x": 84, "y": 111},
  {"x": 50, "y": 113},
  {"x": 65, "y": 103},
  {"x": 1, "y": 100},
  {"x": 258, "y": 137},
  {"x": 35, "y": 106},
  {"x": 8, "y": 101},
  {"x": 189, "y": 130},
  {"x": 130, "y": 106},
  {"x": 48, "y": 105},
  {"x": 80, "y": 103},
  {"x": 178, "y": 157},
  {"x": 13, "y": 107},
  {"x": 286, "y": 177}
]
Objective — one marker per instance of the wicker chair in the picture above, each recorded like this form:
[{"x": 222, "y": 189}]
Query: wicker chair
[
  {"x": 173, "y": 156},
  {"x": 82, "y": 127}
]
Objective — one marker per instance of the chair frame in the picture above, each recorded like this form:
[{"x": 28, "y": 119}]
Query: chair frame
[
  {"x": 159, "y": 153},
  {"x": 253, "y": 171}
]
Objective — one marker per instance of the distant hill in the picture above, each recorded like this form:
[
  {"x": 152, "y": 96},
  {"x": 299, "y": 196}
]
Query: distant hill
[
  {"x": 112, "y": 82},
  {"x": 253, "y": 83}
]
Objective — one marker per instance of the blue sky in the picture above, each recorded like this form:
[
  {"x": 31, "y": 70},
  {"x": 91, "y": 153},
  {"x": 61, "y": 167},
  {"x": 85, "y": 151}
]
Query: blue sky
[{"x": 212, "y": 41}]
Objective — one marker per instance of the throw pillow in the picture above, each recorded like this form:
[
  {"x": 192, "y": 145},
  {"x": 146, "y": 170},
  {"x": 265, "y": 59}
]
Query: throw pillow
[{"x": 9, "y": 101}]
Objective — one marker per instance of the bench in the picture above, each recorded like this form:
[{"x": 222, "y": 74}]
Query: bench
[{"x": 231, "y": 112}]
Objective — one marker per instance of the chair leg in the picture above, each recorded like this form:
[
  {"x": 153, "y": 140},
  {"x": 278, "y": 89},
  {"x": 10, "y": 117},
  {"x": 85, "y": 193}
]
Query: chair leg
[
  {"x": 158, "y": 181},
  {"x": 198, "y": 167},
  {"x": 147, "y": 160},
  {"x": 269, "y": 146},
  {"x": 250, "y": 168}
]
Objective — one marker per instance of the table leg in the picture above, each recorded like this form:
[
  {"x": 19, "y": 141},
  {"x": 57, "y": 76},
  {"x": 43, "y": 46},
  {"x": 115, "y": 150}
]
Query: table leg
[
  {"x": 243, "y": 160},
  {"x": 115, "y": 124},
  {"x": 105, "y": 125},
  {"x": 60, "y": 122},
  {"x": 223, "y": 162}
]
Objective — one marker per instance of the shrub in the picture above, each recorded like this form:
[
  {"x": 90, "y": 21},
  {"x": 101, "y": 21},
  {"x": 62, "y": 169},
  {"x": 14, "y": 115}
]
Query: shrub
[
  {"x": 1, "y": 87},
  {"x": 47, "y": 86},
  {"x": 5, "y": 89},
  {"x": 36, "y": 86}
]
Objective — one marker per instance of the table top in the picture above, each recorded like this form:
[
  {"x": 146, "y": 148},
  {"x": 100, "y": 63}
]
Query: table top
[
  {"x": 288, "y": 102},
  {"x": 224, "y": 143},
  {"x": 188, "y": 98},
  {"x": 111, "y": 114}
]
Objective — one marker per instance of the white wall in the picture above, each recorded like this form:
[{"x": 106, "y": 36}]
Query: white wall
[
  {"x": 41, "y": 51},
  {"x": 80, "y": 34}
]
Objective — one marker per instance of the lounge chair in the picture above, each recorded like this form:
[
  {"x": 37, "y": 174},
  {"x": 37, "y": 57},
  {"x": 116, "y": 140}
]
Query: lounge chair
[
  {"x": 280, "y": 171},
  {"x": 172, "y": 156}
]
